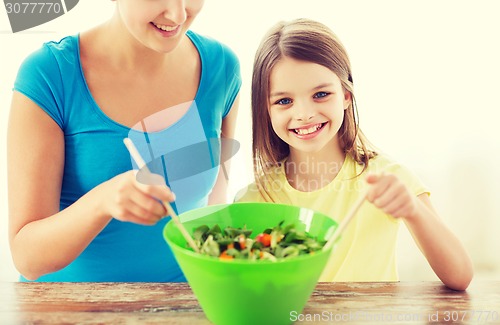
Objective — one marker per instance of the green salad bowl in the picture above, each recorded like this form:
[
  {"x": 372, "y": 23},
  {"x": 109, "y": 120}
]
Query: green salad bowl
[{"x": 251, "y": 292}]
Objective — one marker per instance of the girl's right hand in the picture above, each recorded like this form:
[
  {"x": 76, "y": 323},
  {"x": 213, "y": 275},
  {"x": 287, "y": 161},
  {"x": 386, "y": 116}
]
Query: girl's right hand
[{"x": 135, "y": 197}]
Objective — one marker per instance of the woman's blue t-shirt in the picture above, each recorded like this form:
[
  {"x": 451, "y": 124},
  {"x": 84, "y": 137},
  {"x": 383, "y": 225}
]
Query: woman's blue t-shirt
[{"x": 186, "y": 154}]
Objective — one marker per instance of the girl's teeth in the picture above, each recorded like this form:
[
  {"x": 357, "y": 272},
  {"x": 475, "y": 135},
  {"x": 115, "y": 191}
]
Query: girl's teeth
[
  {"x": 165, "y": 27},
  {"x": 309, "y": 130}
]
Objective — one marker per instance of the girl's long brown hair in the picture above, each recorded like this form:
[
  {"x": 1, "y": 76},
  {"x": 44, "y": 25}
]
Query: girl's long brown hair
[{"x": 310, "y": 41}]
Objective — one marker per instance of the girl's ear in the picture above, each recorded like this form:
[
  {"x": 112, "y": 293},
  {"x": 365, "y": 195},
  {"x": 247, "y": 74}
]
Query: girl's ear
[{"x": 347, "y": 99}]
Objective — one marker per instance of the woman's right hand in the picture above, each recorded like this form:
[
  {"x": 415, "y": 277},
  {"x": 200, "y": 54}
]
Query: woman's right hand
[{"x": 135, "y": 197}]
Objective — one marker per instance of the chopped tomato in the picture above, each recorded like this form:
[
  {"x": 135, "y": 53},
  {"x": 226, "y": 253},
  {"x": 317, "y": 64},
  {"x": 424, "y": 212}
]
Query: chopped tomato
[
  {"x": 224, "y": 256},
  {"x": 265, "y": 239}
]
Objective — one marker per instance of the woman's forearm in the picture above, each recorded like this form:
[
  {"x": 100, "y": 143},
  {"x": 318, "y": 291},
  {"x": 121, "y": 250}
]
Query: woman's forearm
[{"x": 49, "y": 244}]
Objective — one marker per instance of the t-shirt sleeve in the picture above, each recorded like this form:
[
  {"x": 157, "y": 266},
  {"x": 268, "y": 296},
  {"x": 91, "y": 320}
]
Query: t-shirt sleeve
[
  {"x": 249, "y": 193},
  {"x": 39, "y": 79},
  {"x": 409, "y": 178},
  {"x": 233, "y": 78}
]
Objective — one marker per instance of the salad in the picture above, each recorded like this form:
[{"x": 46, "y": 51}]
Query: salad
[{"x": 272, "y": 244}]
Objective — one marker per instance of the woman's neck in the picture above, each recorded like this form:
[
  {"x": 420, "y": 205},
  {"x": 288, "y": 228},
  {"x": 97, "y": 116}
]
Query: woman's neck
[{"x": 309, "y": 172}]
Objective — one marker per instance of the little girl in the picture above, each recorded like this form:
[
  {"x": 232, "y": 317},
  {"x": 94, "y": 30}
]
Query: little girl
[{"x": 308, "y": 150}]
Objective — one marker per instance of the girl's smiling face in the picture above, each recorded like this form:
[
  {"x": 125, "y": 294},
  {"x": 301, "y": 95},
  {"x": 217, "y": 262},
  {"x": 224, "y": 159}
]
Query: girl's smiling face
[
  {"x": 306, "y": 105},
  {"x": 158, "y": 24}
]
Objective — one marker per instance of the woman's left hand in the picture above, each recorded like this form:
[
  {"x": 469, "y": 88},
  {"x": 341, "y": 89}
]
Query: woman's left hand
[{"x": 389, "y": 194}]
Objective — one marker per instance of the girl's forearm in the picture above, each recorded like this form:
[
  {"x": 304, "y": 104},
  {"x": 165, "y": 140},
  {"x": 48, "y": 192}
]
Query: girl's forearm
[
  {"x": 49, "y": 244},
  {"x": 442, "y": 249}
]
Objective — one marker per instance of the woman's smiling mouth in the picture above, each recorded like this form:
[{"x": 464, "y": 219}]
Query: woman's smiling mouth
[
  {"x": 166, "y": 30},
  {"x": 165, "y": 27}
]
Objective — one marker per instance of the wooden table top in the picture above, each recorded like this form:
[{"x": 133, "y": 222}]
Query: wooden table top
[{"x": 175, "y": 303}]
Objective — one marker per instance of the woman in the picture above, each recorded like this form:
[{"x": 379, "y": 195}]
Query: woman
[{"x": 76, "y": 210}]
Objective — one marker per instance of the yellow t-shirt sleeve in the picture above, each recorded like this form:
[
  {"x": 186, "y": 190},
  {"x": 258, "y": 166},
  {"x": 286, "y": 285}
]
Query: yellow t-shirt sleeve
[
  {"x": 408, "y": 177},
  {"x": 249, "y": 193}
]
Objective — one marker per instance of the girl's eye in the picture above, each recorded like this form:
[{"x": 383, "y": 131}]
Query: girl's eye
[
  {"x": 321, "y": 94},
  {"x": 283, "y": 101}
]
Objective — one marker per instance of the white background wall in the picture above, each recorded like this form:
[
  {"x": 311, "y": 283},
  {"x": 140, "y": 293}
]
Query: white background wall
[{"x": 426, "y": 76}]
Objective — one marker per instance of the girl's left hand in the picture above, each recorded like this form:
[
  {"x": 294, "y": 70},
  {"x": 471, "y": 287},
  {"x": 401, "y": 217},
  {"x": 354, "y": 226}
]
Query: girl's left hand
[{"x": 389, "y": 194}]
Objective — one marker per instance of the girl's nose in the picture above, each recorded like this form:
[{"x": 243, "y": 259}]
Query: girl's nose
[
  {"x": 175, "y": 11},
  {"x": 303, "y": 112}
]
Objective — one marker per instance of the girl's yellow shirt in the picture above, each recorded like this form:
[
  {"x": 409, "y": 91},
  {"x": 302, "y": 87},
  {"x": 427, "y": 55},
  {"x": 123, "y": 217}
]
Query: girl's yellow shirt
[{"x": 367, "y": 249}]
